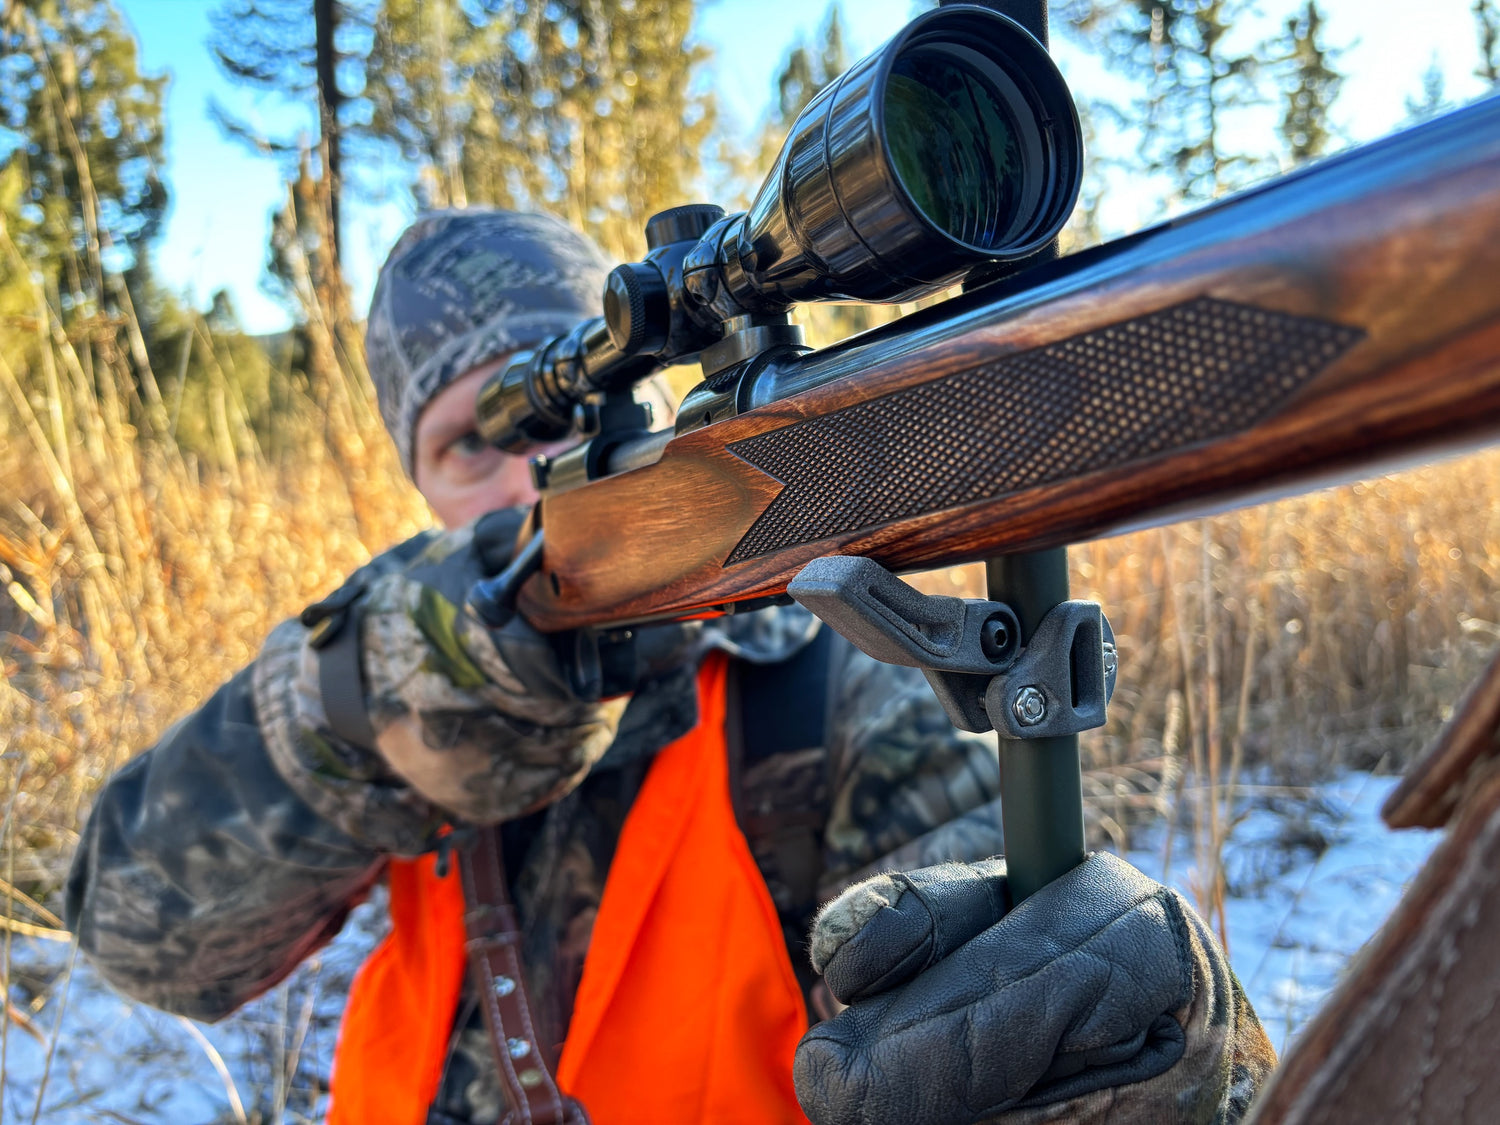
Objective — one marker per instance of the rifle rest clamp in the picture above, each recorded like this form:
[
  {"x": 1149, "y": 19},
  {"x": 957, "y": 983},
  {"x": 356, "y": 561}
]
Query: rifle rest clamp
[{"x": 1057, "y": 683}]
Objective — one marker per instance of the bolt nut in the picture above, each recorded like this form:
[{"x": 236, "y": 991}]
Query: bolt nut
[
  {"x": 1029, "y": 706},
  {"x": 1111, "y": 659}
]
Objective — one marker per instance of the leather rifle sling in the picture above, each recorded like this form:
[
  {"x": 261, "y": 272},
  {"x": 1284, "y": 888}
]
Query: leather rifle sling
[{"x": 494, "y": 949}]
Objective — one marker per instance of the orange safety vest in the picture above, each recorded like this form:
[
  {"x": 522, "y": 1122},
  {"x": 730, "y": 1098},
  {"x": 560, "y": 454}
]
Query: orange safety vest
[{"x": 688, "y": 1010}]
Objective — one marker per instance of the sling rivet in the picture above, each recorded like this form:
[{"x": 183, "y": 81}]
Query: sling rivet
[
  {"x": 504, "y": 986},
  {"x": 518, "y": 1048},
  {"x": 530, "y": 1077}
]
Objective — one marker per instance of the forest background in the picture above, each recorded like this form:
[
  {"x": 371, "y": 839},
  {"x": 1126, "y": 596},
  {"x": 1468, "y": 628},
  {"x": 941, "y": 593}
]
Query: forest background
[{"x": 174, "y": 484}]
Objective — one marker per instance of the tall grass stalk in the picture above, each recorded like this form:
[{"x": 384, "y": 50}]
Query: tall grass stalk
[
  {"x": 216, "y": 1060},
  {"x": 136, "y": 575},
  {"x": 1325, "y": 632}
]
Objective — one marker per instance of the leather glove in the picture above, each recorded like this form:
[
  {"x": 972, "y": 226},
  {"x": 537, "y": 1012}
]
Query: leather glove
[
  {"x": 486, "y": 724},
  {"x": 1103, "y": 997}
]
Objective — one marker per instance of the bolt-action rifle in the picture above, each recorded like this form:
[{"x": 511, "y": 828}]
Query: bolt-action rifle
[{"x": 1339, "y": 319}]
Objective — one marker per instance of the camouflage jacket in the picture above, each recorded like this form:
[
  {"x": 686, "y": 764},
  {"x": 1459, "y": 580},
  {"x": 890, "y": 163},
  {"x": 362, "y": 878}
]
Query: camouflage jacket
[{"x": 212, "y": 864}]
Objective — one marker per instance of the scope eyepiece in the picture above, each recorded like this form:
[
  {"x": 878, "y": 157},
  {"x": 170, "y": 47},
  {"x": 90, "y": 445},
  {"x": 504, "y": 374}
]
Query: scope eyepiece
[
  {"x": 533, "y": 400},
  {"x": 514, "y": 413}
]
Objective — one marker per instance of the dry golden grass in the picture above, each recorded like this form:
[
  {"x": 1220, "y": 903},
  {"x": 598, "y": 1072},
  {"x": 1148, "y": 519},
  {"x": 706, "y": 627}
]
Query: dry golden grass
[
  {"x": 1269, "y": 647},
  {"x": 137, "y": 579}
]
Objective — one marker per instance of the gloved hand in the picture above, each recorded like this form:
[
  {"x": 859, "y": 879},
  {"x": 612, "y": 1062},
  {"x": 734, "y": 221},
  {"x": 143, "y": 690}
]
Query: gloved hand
[
  {"x": 484, "y": 724},
  {"x": 1103, "y": 997}
]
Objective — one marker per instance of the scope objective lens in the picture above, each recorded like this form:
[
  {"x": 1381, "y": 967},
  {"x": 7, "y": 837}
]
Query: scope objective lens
[{"x": 964, "y": 143}]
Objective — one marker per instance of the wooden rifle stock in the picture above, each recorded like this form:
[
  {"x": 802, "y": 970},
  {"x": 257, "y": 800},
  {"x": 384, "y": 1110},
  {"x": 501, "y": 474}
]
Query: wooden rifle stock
[{"x": 1342, "y": 318}]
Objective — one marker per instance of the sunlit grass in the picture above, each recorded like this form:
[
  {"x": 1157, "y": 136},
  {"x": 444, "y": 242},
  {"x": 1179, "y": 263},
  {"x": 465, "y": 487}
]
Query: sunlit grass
[{"x": 138, "y": 577}]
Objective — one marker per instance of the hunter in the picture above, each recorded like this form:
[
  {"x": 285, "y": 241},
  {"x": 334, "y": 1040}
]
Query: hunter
[{"x": 613, "y": 903}]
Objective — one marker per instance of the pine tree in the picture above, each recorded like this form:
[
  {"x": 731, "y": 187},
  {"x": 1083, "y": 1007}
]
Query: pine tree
[
  {"x": 292, "y": 49},
  {"x": 808, "y": 70},
  {"x": 587, "y": 108},
  {"x": 1310, "y": 86},
  {"x": 805, "y": 70},
  {"x": 1487, "y": 25},
  {"x": 414, "y": 91},
  {"x": 81, "y": 197},
  {"x": 296, "y": 269},
  {"x": 305, "y": 51},
  {"x": 1179, "y": 53},
  {"x": 90, "y": 147},
  {"x": 1086, "y": 225},
  {"x": 1433, "y": 98}
]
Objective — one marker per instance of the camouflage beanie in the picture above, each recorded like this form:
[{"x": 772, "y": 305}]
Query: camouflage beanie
[{"x": 462, "y": 288}]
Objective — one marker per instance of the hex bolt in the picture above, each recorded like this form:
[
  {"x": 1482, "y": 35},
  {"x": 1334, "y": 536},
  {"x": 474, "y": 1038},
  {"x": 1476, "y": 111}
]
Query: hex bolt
[
  {"x": 1029, "y": 706},
  {"x": 994, "y": 637}
]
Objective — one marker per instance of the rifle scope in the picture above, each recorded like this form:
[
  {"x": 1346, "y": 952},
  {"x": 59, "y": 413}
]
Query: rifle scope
[{"x": 954, "y": 146}]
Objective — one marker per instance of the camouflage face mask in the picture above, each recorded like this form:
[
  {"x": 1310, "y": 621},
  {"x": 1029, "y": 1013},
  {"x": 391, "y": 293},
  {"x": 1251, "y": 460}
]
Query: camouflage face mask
[{"x": 462, "y": 288}]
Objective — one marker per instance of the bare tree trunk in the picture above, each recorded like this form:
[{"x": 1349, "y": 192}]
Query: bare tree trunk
[
  {"x": 325, "y": 20},
  {"x": 1487, "y": 20}
]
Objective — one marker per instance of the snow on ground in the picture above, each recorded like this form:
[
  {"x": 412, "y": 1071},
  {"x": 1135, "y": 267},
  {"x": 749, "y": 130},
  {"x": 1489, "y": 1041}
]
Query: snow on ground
[
  {"x": 1310, "y": 879},
  {"x": 119, "y": 1061}
]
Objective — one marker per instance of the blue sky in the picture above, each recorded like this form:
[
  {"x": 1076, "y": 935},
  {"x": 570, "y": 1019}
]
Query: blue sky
[{"x": 222, "y": 195}]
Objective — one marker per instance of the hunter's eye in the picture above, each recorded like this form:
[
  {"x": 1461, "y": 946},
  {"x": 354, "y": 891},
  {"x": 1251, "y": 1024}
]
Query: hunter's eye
[{"x": 469, "y": 444}]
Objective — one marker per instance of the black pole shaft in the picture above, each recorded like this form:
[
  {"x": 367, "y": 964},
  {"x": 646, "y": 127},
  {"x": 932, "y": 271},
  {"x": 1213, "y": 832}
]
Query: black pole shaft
[
  {"x": 1041, "y": 779},
  {"x": 1030, "y": 14}
]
